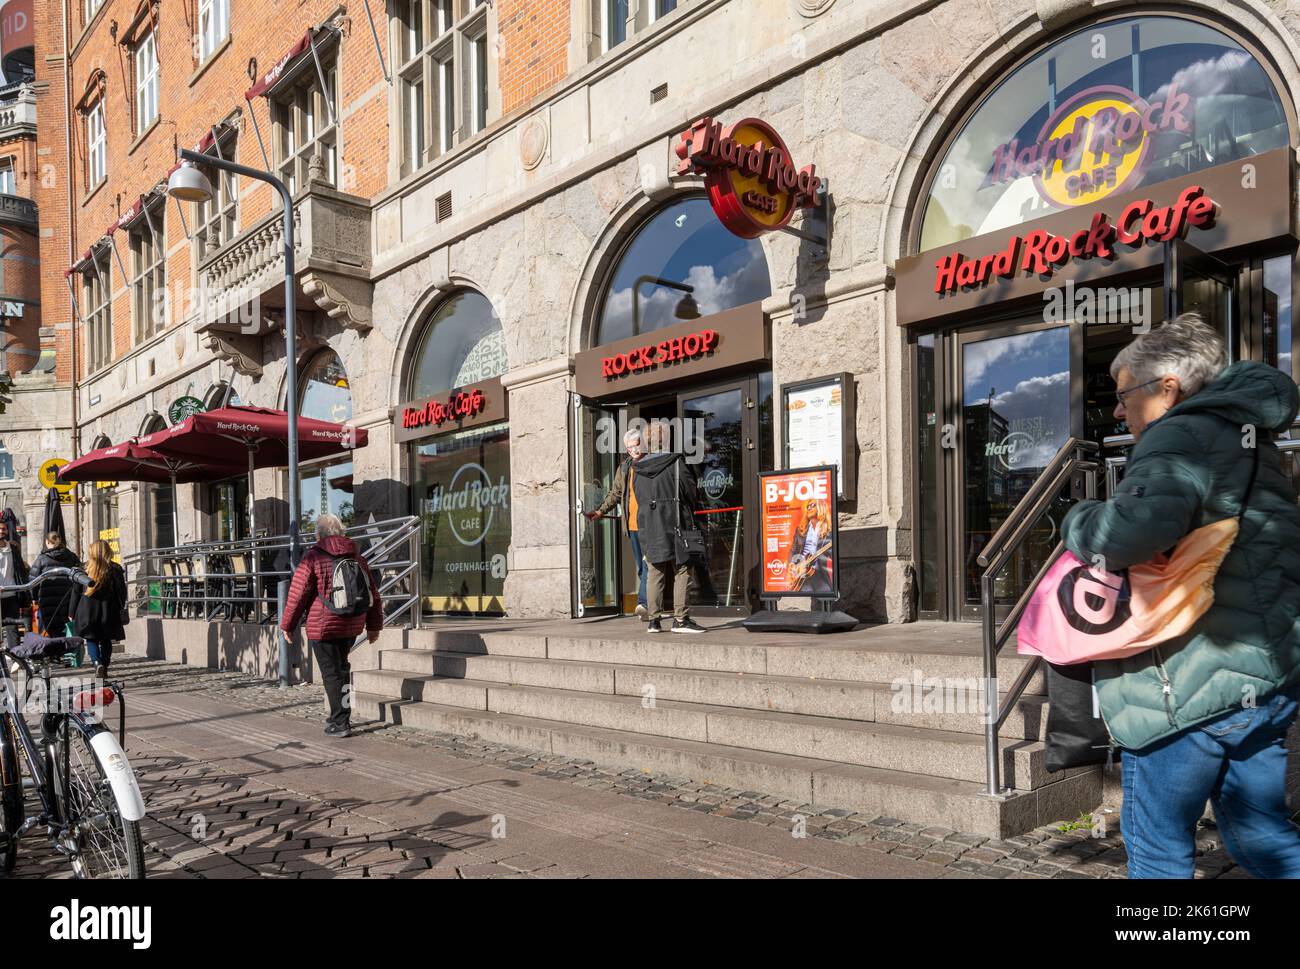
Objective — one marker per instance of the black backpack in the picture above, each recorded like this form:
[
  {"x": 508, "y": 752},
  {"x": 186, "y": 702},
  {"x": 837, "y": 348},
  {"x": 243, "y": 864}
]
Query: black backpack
[{"x": 349, "y": 591}]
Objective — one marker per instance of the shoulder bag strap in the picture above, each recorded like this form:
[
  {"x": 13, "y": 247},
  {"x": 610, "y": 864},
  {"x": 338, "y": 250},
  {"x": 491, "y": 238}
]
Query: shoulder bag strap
[{"x": 1250, "y": 484}]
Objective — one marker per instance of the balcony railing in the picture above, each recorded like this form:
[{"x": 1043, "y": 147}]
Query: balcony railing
[{"x": 16, "y": 210}]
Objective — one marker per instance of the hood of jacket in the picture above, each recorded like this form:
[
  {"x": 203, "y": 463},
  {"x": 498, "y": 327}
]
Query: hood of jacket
[
  {"x": 337, "y": 545},
  {"x": 62, "y": 557},
  {"x": 653, "y": 465},
  {"x": 1246, "y": 393}
]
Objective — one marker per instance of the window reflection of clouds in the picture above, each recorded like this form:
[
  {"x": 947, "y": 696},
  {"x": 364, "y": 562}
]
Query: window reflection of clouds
[
  {"x": 323, "y": 398},
  {"x": 684, "y": 243},
  {"x": 1012, "y": 358},
  {"x": 1040, "y": 407},
  {"x": 1237, "y": 113}
]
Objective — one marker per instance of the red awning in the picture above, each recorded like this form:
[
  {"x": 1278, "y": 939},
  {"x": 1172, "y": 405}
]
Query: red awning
[
  {"x": 273, "y": 75},
  {"x": 258, "y": 435},
  {"x": 129, "y": 461}
]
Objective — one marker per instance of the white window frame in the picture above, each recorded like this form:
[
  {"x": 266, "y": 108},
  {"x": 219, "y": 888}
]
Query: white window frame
[
  {"x": 88, "y": 10},
  {"x": 656, "y": 13},
  {"x": 216, "y": 221},
  {"x": 145, "y": 60},
  {"x": 606, "y": 26},
  {"x": 214, "y": 26},
  {"x": 97, "y": 310},
  {"x": 480, "y": 81},
  {"x": 147, "y": 240},
  {"x": 8, "y": 177},
  {"x": 96, "y": 145},
  {"x": 303, "y": 121}
]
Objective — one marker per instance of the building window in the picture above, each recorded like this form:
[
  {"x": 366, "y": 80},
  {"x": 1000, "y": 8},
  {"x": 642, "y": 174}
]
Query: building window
[
  {"x": 428, "y": 37},
  {"x": 613, "y": 23},
  {"x": 661, "y": 8},
  {"x": 326, "y": 487},
  {"x": 146, "y": 82},
  {"x": 680, "y": 265},
  {"x": 462, "y": 343},
  {"x": 306, "y": 125},
  {"x": 88, "y": 10},
  {"x": 6, "y": 463},
  {"x": 216, "y": 221},
  {"x": 97, "y": 310},
  {"x": 214, "y": 25},
  {"x": 96, "y": 145},
  {"x": 7, "y": 183},
  {"x": 147, "y": 241},
  {"x": 1151, "y": 98}
]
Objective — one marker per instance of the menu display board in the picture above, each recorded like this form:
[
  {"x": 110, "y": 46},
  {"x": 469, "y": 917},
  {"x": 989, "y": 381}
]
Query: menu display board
[
  {"x": 818, "y": 426},
  {"x": 800, "y": 537}
]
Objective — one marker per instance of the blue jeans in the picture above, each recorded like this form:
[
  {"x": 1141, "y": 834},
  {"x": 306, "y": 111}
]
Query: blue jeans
[
  {"x": 93, "y": 651},
  {"x": 1236, "y": 761},
  {"x": 640, "y": 567}
]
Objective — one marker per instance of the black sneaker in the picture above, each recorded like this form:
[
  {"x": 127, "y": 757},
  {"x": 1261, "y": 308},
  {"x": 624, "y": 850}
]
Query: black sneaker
[
  {"x": 653, "y": 626},
  {"x": 333, "y": 731},
  {"x": 687, "y": 626}
]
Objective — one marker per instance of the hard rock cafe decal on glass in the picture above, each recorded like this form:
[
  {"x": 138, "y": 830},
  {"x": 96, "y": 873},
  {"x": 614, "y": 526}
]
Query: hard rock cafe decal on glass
[{"x": 462, "y": 492}]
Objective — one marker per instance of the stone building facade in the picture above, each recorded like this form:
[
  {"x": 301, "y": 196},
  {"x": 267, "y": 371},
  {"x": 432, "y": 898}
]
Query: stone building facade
[{"x": 526, "y": 186}]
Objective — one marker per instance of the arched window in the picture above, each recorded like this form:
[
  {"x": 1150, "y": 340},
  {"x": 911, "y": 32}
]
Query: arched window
[
  {"x": 1111, "y": 107},
  {"x": 103, "y": 507},
  {"x": 6, "y": 462},
  {"x": 680, "y": 265},
  {"x": 462, "y": 342},
  {"x": 159, "y": 499},
  {"x": 325, "y": 394},
  {"x": 216, "y": 397}
]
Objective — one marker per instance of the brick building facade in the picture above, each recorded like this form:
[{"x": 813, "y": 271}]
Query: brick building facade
[{"x": 517, "y": 155}]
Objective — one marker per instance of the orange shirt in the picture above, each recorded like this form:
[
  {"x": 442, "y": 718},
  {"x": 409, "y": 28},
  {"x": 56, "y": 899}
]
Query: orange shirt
[{"x": 631, "y": 499}]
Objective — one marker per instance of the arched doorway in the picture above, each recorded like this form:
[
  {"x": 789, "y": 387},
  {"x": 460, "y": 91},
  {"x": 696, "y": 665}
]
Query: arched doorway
[
  {"x": 159, "y": 500},
  {"x": 105, "y": 520},
  {"x": 677, "y": 338},
  {"x": 1102, "y": 130},
  {"x": 456, "y": 433}
]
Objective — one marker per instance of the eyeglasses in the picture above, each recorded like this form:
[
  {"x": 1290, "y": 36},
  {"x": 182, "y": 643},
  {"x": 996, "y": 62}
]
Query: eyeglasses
[{"x": 1123, "y": 395}]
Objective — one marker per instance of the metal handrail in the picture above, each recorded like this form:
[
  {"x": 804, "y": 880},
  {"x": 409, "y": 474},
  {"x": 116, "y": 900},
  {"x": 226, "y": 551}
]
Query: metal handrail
[
  {"x": 1075, "y": 456},
  {"x": 215, "y": 590}
]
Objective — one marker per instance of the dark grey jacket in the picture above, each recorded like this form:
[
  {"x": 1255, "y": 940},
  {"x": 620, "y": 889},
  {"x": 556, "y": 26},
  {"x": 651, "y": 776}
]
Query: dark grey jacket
[{"x": 666, "y": 492}]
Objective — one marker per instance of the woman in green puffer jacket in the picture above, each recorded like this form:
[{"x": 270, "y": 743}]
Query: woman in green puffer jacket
[{"x": 1204, "y": 716}]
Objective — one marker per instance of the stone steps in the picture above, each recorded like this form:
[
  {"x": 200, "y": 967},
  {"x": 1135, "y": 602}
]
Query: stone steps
[
  {"x": 845, "y": 721},
  {"x": 872, "y": 791},
  {"x": 920, "y": 750},
  {"x": 911, "y": 705}
]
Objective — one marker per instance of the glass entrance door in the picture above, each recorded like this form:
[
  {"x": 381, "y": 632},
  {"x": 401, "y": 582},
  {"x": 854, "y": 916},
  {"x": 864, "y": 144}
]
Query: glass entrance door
[
  {"x": 594, "y": 443},
  {"x": 1196, "y": 282},
  {"x": 1017, "y": 393},
  {"x": 719, "y": 430}
]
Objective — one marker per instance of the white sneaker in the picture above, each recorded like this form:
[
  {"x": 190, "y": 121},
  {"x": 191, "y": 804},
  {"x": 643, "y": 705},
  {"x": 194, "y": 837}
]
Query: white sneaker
[{"x": 642, "y": 613}]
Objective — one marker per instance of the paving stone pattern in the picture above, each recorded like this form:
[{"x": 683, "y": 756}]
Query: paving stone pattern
[{"x": 255, "y": 828}]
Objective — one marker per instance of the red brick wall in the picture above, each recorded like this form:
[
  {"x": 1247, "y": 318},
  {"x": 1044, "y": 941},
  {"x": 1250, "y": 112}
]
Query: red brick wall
[
  {"x": 49, "y": 179},
  {"x": 534, "y": 39}
]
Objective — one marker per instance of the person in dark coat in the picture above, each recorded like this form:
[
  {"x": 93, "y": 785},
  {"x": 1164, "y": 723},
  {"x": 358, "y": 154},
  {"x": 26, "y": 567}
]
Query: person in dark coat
[
  {"x": 13, "y": 571},
  {"x": 665, "y": 489},
  {"x": 99, "y": 609},
  {"x": 330, "y": 635},
  {"x": 56, "y": 597}
]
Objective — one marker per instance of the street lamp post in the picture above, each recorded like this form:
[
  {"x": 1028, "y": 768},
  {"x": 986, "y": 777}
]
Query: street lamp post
[{"x": 189, "y": 184}]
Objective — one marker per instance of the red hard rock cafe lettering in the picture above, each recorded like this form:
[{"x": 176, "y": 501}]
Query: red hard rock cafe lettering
[
  {"x": 434, "y": 413},
  {"x": 1041, "y": 253}
]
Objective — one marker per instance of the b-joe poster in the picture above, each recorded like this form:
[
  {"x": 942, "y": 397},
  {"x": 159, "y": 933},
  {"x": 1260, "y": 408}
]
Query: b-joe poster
[{"x": 799, "y": 534}]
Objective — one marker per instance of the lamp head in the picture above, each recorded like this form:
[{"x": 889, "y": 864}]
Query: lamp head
[
  {"x": 189, "y": 184},
  {"x": 687, "y": 308}
]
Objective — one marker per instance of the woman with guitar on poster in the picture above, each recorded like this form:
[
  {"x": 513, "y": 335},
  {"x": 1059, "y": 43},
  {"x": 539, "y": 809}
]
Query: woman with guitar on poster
[{"x": 810, "y": 552}]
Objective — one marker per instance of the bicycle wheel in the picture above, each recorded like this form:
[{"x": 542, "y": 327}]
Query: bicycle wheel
[
  {"x": 11, "y": 795},
  {"x": 104, "y": 844}
]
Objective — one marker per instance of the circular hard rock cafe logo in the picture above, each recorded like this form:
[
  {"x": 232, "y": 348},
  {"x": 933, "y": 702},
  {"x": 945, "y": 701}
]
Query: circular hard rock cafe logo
[
  {"x": 1096, "y": 144},
  {"x": 470, "y": 501},
  {"x": 1092, "y": 601},
  {"x": 776, "y": 567},
  {"x": 1009, "y": 448},
  {"x": 716, "y": 482}
]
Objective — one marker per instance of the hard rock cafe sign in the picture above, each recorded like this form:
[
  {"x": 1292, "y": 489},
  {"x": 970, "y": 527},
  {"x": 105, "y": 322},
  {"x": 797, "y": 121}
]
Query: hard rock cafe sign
[
  {"x": 753, "y": 184},
  {"x": 1096, "y": 144}
]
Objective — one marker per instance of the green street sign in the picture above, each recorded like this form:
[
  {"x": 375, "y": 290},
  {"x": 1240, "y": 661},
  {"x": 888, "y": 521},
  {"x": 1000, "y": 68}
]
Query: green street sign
[{"x": 183, "y": 407}]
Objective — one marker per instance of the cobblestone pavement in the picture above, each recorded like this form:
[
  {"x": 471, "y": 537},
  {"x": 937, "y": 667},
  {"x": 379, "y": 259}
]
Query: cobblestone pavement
[{"x": 268, "y": 811}]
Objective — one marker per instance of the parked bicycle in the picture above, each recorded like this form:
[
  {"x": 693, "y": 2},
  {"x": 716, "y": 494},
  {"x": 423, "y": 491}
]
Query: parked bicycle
[{"x": 90, "y": 803}]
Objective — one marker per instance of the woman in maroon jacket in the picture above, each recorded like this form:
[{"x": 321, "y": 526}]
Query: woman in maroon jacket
[{"x": 331, "y": 635}]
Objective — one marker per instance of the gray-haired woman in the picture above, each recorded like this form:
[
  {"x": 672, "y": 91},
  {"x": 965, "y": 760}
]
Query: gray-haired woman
[{"x": 1204, "y": 716}]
